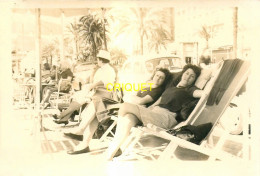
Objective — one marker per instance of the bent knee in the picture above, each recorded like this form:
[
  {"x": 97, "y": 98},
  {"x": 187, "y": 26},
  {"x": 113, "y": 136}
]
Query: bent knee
[
  {"x": 128, "y": 119},
  {"x": 125, "y": 108}
]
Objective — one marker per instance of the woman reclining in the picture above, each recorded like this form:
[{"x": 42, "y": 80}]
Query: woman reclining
[
  {"x": 163, "y": 113},
  {"x": 90, "y": 122}
]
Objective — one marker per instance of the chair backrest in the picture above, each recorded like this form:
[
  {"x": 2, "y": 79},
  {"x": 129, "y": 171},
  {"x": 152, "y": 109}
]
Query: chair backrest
[
  {"x": 212, "y": 113},
  {"x": 63, "y": 83},
  {"x": 58, "y": 97}
]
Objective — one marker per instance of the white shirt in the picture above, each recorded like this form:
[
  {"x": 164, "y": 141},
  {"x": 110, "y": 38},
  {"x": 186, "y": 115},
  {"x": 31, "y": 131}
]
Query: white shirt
[{"x": 106, "y": 74}]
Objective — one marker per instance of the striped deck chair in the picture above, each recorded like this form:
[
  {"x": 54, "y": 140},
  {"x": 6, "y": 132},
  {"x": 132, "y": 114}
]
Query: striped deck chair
[{"x": 203, "y": 113}]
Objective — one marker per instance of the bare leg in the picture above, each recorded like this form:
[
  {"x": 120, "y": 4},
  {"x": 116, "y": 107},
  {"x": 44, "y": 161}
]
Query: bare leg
[
  {"x": 47, "y": 96},
  {"x": 126, "y": 120},
  {"x": 88, "y": 115},
  {"x": 128, "y": 108},
  {"x": 88, "y": 134},
  {"x": 49, "y": 91},
  {"x": 65, "y": 115}
]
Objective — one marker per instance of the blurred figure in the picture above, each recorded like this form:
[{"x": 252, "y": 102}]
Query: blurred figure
[
  {"x": 205, "y": 59},
  {"x": 46, "y": 73},
  {"x": 65, "y": 73},
  {"x": 54, "y": 74}
]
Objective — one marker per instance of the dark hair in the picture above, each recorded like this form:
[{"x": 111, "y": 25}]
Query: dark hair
[
  {"x": 46, "y": 66},
  {"x": 195, "y": 68},
  {"x": 205, "y": 60},
  {"x": 167, "y": 74},
  {"x": 105, "y": 61}
]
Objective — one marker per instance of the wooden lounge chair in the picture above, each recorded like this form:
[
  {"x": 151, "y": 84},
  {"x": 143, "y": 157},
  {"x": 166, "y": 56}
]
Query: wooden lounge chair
[{"x": 203, "y": 113}]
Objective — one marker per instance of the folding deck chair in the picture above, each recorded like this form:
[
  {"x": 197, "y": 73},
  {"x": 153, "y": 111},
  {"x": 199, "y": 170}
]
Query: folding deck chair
[
  {"x": 202, "y": 114},
  {"x": 23, "y": 94},
  {"x": 112, "y": 114},
  {"x": 59, "y": 98}
]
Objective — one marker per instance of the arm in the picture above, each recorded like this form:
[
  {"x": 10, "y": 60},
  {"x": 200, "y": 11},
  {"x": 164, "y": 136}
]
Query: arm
[
  {"x": 157, "y": 102},
  {"x": 94, "y": 85},
  {"x": 198, "y": 93},
  {"x": 101, "y": 80},
  {"x": 90, "y": 78},
  {"x": 138, "y": 100},
  {"x": 69, "y": 78}
]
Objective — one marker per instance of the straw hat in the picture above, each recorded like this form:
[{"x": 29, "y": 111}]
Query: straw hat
[{"x": 104, "y": 54}]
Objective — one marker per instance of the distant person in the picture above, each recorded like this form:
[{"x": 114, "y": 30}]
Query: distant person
[
  {"x": 46, "y": 71},
  {"x": 65, "y": 73},
  {"x": 104, "y": 75},
  {"x": 54, "y": 74},
  {"x": 205, "y": 59}
]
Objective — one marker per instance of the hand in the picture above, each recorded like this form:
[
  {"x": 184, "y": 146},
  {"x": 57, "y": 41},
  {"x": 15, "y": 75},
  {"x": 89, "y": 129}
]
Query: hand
[
  {"x": 126, "y": 98},
  {"x": 88, "y": 88},
  {"x": 129, "y": 98}
]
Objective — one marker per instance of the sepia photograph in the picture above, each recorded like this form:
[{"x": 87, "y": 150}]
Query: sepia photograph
[{"x": 153, "y": 87}]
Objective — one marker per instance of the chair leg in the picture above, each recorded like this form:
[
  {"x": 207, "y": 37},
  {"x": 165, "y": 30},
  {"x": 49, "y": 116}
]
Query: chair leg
[
  {"x": 79, "y": 115},
  {"x": 131, "y": 141},
  {"x": 168, "y": 152},
  {"x": 219, "y": 144},
  {"x": 109, "y": 130}
]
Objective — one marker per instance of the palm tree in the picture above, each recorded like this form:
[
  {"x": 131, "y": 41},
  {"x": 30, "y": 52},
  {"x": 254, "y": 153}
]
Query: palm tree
[
  {"x": 104, "y": 15},
  {"x": 142, "y": 23},
  {"x": 172, "y": 23},
  {"x": 50, "y": 49},
  {"x": 118, "y": 56},
  {"x": 104, "y": 21},
  {"x": 204, "y": 33},
  {"x": 91, "y": 30},
  {"x": 73, "y": 28},
  {"x": 159, "y": 40},
  {"x": 235, "y": 32}
]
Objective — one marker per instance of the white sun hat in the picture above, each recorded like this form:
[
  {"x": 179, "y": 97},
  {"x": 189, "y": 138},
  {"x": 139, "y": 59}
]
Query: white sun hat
[{"x": 104, "y": 54}]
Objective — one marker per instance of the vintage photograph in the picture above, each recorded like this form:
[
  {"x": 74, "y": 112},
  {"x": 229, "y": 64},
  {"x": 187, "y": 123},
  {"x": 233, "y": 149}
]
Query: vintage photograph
[{"x": 117, "y": 83}]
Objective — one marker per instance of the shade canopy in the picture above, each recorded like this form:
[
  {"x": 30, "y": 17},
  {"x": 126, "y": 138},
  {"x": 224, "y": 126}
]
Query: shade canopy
[{"x": 56, "y": 12}]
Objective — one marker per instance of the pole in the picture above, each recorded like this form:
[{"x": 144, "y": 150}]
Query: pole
[
  {"x": 62, "y": 38},
  {"x": 37, "y": 67},
  {"x": 38, "y": 80},
  {"x": 235, "y": 32},
  {"x": 104, "y": 27},
  {"x": 172, "y": 23}
]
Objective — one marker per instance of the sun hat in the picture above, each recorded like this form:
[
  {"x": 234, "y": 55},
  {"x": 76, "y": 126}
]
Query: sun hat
[{"x": 104, "y": 54}]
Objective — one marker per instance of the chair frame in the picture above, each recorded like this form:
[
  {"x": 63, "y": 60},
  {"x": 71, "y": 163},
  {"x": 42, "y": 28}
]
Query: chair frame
[{"x": 56, "y": 96}]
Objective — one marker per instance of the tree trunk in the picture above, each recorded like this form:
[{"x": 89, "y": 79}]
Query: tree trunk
[
  {"x": 142, "y": 32},
  {"x": 77, "y": 46},
  {"x": 235, "y": 10},
  {"x": 104, "y": 27},
  {"x": 172, "y": 23},
  {"x": 94, "y": 48},
  {"x": 142, "y": 44}
]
